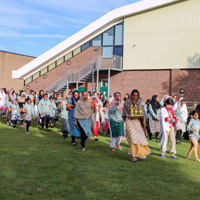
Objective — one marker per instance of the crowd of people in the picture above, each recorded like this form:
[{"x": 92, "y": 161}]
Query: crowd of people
[{"x": 84, "y": 114}]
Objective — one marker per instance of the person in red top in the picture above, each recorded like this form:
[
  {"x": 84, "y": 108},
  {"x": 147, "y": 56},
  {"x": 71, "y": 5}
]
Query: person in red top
[{"x": 167, "y": 130}]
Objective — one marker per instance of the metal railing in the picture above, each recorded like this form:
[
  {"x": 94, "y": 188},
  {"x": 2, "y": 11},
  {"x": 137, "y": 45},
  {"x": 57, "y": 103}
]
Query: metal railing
[{"x": 76, "y": 75}]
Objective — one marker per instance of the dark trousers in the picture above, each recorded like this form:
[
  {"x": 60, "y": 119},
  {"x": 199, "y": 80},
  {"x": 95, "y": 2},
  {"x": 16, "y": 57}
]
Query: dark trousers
[
  {"x": 83, "y": 136},
  {"x": 51, "y": 120},
  {"x": 73, "y": 139},
  {"x": 65, "y": 134},
  {"x": 28, "y": 123},
  {"x": 47, "y": 122},
  {"x": 14, "y": 122},
  {"x": 178, "y": 135},
  {"x": 156, "y": 134}
]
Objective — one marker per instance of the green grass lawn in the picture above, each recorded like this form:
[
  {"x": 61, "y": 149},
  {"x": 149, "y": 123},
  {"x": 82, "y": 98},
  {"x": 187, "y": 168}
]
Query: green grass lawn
[{"x": 42, "y": 165}]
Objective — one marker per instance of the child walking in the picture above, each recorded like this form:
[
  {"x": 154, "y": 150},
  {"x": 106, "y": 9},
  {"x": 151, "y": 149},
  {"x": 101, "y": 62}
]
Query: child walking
[
  {"x": 53, "y": 111},
  {"x": 105, "y": 122},
  {"x": 167, "y": 130},
  {"x": 193, "y": 129},
  {"x": 29, "y": 111},
  {"x": 15, "y": 113}
]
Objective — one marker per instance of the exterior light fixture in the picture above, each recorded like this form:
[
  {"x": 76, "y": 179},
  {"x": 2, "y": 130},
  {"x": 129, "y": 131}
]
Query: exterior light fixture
[
  {"x": 182, "y": 90},
  {"x": 27, "y": 87},
  {"x": 68, "y": 62},
  {"x": 45, "y": 76}
]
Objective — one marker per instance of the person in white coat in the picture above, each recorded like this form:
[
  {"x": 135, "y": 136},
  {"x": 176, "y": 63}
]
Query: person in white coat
[
  {"x": 167, "y": 130},
  {"x": 181, "y": 112}
]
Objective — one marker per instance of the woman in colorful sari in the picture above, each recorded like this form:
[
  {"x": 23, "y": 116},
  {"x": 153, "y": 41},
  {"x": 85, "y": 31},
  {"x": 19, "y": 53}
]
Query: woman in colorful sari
[
  {"x": 136, "y": 129},
  {"x": 74, "y": 131},
  {"x": 82, "y": 115}
]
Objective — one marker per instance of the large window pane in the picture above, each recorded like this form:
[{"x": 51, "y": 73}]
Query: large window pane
[
  {"x": 76, "y": 51},
  {"x": 85, "y": 46},
  {"x": 53, "y": 65},
  {"x": 107, "y": 52},
  {"x": 43, "y": 71},
  {"x": 60, "y": 61},
  {"x": 118, "y": 51},
  {"x": 28, "y": 80},
  {"x": 97, "y": 41},
  {"x": 68, "y": 56},
  {"x": 119, "y": 34},
  {"x": 108, "y": 37}
]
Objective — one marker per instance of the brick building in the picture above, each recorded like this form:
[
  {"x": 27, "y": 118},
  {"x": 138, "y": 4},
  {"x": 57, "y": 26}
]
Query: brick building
[
  {"x": 8, "y": 62},
  {"x": 152, "y": 46}
]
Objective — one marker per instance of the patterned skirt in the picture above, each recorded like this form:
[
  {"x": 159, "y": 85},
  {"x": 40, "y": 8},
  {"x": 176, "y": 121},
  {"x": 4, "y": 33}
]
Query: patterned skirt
[
  {"x": 117, "y": 128},
  {"x": 154, "y": 126},
  {"x": 136, "y": 138}
]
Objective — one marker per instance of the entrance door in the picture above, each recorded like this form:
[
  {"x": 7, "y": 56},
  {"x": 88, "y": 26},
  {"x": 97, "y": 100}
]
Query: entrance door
[
  {"x": 104, "y": 86},
  {"x": 81, "y": 89}
]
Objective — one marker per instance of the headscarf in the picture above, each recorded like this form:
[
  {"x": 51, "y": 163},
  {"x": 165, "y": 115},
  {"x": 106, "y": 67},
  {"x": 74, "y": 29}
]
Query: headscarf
[
  {"x": 84, "y": 109},
  {"x": 113, "y": 101},
  {"x": 74, "y": 101},
  {"x": 155, "y": 105},
  {"x": 11, "y": 98},
  {"x": 21, "y": 98},
  {"x": 173, "y": 95}
]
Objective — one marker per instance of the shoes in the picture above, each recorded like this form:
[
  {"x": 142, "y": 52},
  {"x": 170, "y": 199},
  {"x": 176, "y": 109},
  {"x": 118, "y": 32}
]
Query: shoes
[
  {"x": 178, "y": 142},
  {"x": 27, "y": 132},
  {"x": 162, "y": 156},
  {"x": 8, "y": 123},
  {"x": 174, "y": 157},
  {"x": 119, "y": 147},
  {"x": 197, "y": 160},
  {"x": 83, "y": 149},
  {"x": 113, "y": 149}
]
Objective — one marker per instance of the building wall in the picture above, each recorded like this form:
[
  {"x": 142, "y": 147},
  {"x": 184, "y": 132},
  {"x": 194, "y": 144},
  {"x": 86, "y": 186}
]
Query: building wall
[
  {"x": 8, "y": 62},
  {"x": 163, "y": 38},
  {"x": 147, "y": 82},
  {"x": 77, "y": 62}
]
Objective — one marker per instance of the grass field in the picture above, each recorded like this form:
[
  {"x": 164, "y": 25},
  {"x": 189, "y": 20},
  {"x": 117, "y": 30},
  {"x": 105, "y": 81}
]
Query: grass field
[{"x": 42, "y": 165}]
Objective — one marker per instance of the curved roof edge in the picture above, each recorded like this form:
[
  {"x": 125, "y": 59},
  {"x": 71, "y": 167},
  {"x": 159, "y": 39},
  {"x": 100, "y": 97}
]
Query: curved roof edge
[{"x": 110, "y": 17}]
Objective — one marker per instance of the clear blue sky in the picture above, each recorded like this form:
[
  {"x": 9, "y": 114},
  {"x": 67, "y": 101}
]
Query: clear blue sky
[{"x": 32, "y": 27}]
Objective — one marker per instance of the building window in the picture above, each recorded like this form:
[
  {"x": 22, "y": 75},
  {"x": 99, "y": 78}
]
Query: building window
[
  {"x": 108, "y": 37},
  {"x": 104, "y": 82},
  {"x": 28, "y": 80},
  {"x": 60, "y": 61},
  {"x": 107, "y": 52},
  {"x": 76, "y": 51},
  {"x": 119, "y": 34},
  {"x": 36, "y": 75},
  {"x": 85, "y": 46},
  {"x": 43, "y": 71},
  {"x": 97, "y": 41},
  {"x": 53, "y": 65},
  {"x": 118, "y": 51},
  {"x": 68, "y": 56}
]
